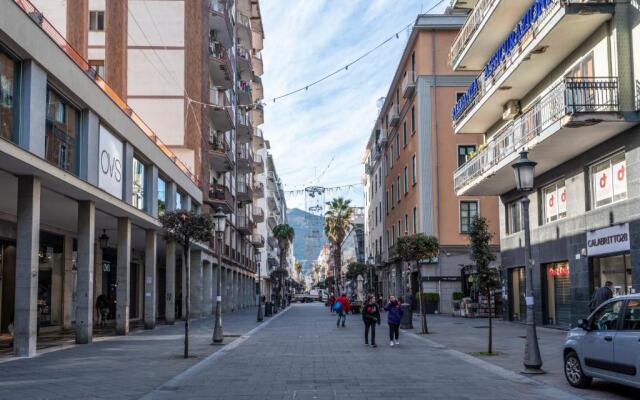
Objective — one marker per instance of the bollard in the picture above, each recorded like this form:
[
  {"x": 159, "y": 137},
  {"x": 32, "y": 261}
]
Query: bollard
[{"x": 407, "y": 317}]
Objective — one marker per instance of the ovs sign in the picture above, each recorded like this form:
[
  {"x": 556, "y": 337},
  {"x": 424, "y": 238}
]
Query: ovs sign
[{"x": 110, "y": 163}]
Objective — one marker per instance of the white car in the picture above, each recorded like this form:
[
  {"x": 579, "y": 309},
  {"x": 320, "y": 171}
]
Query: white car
[{"x": 606, "y": 345}]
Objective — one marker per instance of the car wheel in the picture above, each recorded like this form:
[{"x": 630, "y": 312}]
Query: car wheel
[{"x": 573, "y": 371}]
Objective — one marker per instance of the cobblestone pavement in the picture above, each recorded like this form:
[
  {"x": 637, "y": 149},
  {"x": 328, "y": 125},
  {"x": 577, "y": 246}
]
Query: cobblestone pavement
[{"x": 303, "y": 355}]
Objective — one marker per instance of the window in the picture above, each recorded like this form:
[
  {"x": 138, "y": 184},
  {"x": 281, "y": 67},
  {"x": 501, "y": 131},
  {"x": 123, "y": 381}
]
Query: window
[
  {"x": 388, "y": 202},
  {"x": 463, "y": 153},
  {"x": 606, "y": 318},
  {"x": 459, "y": 95},
  {"x": 609, "y": 181},
  {"x": 62, "y": 131},
  {"x": 162, "y": 196},
  {"x": 391, "y": 157},
  {"x": 9, "y": 79},
  {"x": 415, "y": 220},
  {"x": 393, "y": 234},
  {"x": 468, "y": 211},
  {"x": 413, "y": 169},
  {"x": 398, "y": 187},
  {"x": 392, "y": 196},
  {"x": 138, "y": 190},
  {"x": 406, "y": 180},
  {"x": 399, "y": 231},
  {"x": 555, "y": 202},
  {"x": 97, "y": 66},
  {"x": 514, "y": 217},
  {"x": 397, "y": 146},
  {"x": 632, "y": 316},
  {"x": 179, "y": 205},
  {"x": 404, "y": 133},
  {"x": 413, "y": 120},
  {"x": 406, "y": 224},
  {"x": 96, "y": 21}
]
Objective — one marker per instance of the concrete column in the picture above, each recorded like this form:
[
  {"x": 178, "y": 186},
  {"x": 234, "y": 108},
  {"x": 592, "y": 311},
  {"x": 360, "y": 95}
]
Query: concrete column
[
  {"x": 33, "y": 101},
  {"x": 123, "y": 276},
  {"x": 214, "y": 285},
  {"x": 196, "y": 284},
  {"x": 97, "y": 273},
  {"x": 151, "y": 190},
  {"x": 170, "y": 284},
  {"x": 89, "y": 145},
  {"x": 207, "y": 288},
  {"x": 67, "y": 283},
  {"x": 171, "y": 196},
  {"x": 27, "y": 243},
  {"x": 150, "y": 279},
  {"x": 85, "y": 265},
  {"x": 127, "y": 187},
  {"x": 226, "y": 296}
]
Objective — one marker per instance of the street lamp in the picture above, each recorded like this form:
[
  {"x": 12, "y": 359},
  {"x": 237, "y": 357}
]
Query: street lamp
[
  {"x": 220, "y": 222},
  {"x": 258, "y": 258},
  {"x": 524, "y": 171}
]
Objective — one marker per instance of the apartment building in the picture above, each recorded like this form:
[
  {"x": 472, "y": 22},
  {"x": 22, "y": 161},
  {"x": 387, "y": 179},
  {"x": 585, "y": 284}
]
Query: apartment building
[
  {"x": 557, "y": 80},
  {"x": 84, "y": 181},
  {"x": 419, "y": 152},
  {"x": 191, "y": 70}
]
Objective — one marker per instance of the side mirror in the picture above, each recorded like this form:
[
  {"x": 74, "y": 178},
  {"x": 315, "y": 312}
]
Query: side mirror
[{"x": 584, "y": 324}]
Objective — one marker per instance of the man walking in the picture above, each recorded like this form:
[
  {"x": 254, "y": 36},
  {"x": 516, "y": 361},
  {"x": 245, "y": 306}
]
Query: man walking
[
  {"x": 601, "y": 295},
  {"x": 342, "y": 307},
  {"x": 371, "y": 317}
]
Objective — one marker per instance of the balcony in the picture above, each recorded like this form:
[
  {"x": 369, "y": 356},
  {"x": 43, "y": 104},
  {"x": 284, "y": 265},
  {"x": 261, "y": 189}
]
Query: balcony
[
  {"x": 409, "y": 85},
  {"x": 256, "y": 89},
  {"x": 529, "y": 55},
  {"x": 273, "y": 242},
  {"x": 258, "y": 138},
  {"x": 258, "y": 164},
  {"x": 271, "y": 201},
  {"x": 244, "y": 192},
  {"x": 257, "y": 114},
  {"x": 220, "y": 111},
  {"x": 488, "y": 24},
  {"x": 244, "y": 158},
  {"x": 219, "y": 196},
  {"x": 256, "y": 64},
  {"x": 219, "y": 23},
  {"x": 244, "y": 93},
  {"x": 258, "y": 214},
  {"x": 220, "y": 155},
  {"x": 244, "y": 30},
  {"x": 220, "y": 70},
  {"x": 245, "y": 126},
  {"x": 572, "y": 117},
  {"x": 272, "y": 220},
  {"x": 384, "y": 137},
  {"x": 244, "y": 224},
  {"x": 463, "y": 4},
  {"x": 244, "y": 64},
  {"x": 258, "y": 190},
  {"x": 257, "y": 240},
  {"x": 394, "y": 116}
]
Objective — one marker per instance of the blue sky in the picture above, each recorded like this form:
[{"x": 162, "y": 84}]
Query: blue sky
[{"x": 305, "y": 40}]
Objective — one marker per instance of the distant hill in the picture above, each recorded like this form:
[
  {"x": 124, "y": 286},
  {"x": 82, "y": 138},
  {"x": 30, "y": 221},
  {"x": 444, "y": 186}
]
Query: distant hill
[{"x": 309, "y": 236}]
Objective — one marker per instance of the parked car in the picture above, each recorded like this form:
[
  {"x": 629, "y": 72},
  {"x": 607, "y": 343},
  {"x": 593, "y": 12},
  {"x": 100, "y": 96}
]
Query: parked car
[{"x": 606, "y": 345}]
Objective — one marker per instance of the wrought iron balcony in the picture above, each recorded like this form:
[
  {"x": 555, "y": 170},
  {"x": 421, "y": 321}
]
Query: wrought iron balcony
[
  {"x": 220, "y": 197},
  {"x": 244, "y": 224},
  {"x": 258, "y": 214},
  {"x": 244, "y": 192},
  {"x": 220, "y": 155},
  {"x": 257, "y": 240}
]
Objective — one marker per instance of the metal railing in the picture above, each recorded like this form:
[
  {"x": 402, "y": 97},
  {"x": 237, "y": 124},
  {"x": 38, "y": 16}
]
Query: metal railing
[
  {"x": 244, "y": 21},
  {"x": 218, "y": 142},
  {"x": 245, "y": 152},
  {"x": 217, "y": 50},
  {"x": 468, "y": 29},
  {"x": 570, "y": 96},
  {"x": 61, "y": 42}
]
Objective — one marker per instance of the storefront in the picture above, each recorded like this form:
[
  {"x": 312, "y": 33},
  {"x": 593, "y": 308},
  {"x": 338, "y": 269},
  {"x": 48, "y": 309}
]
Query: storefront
[
  {"x": 610, "y": 259},
  {"x": 556, "y": 292}
]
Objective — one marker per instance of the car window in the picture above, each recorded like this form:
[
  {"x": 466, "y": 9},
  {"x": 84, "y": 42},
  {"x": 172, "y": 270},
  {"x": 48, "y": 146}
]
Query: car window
[
  {"x": 632, "y": 316},
  {"x": 606, "y": 318}
]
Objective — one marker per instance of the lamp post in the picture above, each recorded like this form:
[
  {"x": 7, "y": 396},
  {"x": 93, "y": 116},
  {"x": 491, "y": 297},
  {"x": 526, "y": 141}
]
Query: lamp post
[
  {"x": 258, "y": 259},
  {"x": 524, "y": 173},
  {"x": 220, "y": 221}
]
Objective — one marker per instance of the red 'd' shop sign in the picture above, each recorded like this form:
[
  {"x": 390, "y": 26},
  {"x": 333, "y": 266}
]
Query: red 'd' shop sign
[{"x": 614, "y": 239}]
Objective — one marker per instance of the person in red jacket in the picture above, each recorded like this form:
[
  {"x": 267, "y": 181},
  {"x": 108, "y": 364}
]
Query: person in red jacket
[{"x": 342, "y": 307}]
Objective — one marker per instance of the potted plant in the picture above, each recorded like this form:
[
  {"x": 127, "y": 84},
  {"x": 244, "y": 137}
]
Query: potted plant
[{"x": 455, "y": 303}]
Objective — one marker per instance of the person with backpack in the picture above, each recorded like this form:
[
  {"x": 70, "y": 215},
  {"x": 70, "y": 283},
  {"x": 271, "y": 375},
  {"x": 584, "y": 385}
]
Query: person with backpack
[
  {"x": 394, "y": 310},
  {"x": 371, "y": 317},
  {"x": 342, "y": 307}
]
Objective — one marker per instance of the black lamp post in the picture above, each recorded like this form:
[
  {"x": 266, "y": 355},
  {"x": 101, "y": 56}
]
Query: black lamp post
[
  {"x": 220, "y": 221},
  {"x": 524, "y": 174},
  {"x": 258, "y": 255}
]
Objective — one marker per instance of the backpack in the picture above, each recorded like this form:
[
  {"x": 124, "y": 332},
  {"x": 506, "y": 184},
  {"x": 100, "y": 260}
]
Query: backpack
[{"x": 337, "y": 306}]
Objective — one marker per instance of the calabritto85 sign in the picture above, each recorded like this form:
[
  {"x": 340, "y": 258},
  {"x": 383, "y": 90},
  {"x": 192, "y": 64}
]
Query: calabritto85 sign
[{"x": 110, "y": 163}]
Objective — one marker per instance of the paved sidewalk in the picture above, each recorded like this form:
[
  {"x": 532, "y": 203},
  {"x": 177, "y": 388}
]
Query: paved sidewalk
[
  {"x": 123, "y": 367},
  {"x": 470, "y": 336}
]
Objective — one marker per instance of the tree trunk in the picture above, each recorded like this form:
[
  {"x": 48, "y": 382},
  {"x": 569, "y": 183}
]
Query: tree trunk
[
  {"x": 187, "y": 265},
  {"x": 423, "y": 312},
  {"x": 490, "y": 322},
  {"x": 338, "y": 267}
]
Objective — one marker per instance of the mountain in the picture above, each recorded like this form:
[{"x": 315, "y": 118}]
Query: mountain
[{"x": 309, "y": 236}]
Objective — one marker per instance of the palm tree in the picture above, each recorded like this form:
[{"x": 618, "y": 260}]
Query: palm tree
[
  {"x": 337, "y": 223},
  {"x": 284, "y": 234}
]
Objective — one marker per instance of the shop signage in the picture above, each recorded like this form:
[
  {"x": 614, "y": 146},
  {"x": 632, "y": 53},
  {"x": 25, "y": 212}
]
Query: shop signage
[
  {"x": 613, "y": 239},
  {"x": 610, "y": 182},
  {"x": 441, "y": 278},
  {"x": 560, "y": 270},
  {"x": 110, "y": 163}
]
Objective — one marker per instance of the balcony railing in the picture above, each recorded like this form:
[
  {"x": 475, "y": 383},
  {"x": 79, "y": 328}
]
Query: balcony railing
[
  {"x": 394, "y": 116},
  {"x": 243, "y": 20},
  {"x": 408, "y": 84},
  {"x": 217, "y": 50},
  {"x": 569, "y": 97},
  {"x": 244, "y": 118},
  {"x": 468, "y": 29}
]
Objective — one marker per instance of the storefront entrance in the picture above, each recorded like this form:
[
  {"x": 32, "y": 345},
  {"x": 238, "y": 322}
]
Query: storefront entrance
[
  {"x": 557, "y": 294},
  {"x": 517, "y": 305},
  {"x": 614, "y": 268}
]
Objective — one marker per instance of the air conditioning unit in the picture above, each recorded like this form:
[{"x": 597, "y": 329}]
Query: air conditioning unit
[{"x": 511, "y": 109}]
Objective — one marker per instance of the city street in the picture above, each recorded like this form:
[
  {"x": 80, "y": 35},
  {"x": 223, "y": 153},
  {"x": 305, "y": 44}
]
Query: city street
[{"x": 298, "y": 354}]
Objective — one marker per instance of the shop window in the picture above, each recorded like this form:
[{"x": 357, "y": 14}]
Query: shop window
[
  {"x": 514, "y": 217},
  {"x": 162, "y": 196},
  {"x": 558, "y": 294},
  {"x": 606, "y": 319},
  {"x": 609, "y": 181},
  {"x": 555, "y": 202},
  {"x": 463, "y": 153},
  {"x": 96, "y": 21},
  {"x": 9, "y": 79},
  {"x": 62, "y": 131},
  {"x": 138, "y": 190},
  {"x": 632, "y": 316},
  {"x": 468, "y": 211},
  {"x": 615, "y": 269}
]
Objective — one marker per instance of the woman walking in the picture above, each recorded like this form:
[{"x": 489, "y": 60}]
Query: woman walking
[
  {"x": 394, "y": 310},
  {"x": 371, "y": 317}
]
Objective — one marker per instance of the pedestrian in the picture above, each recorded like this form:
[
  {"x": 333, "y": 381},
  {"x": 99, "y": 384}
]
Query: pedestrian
[
  {"x": 601, "y": 295},
  {"x": 332, "y": 302},
  {"x": 371, "y": 318},
  {"x": 394, "y": 310},
  {"x": 342, "y": 307},
  {"x": 102, "y": 306}
]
